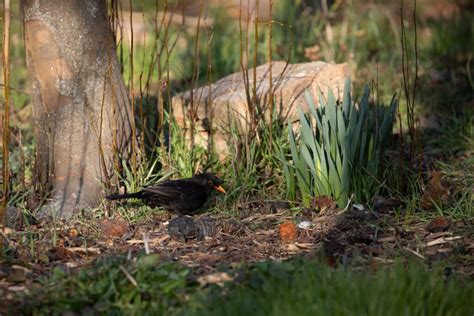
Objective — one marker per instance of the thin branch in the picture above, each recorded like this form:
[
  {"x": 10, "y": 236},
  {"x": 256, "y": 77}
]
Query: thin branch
[
  {"x": 129, "y": 276},
  {"x": 270, "y": 75},
  {"x": 6, "y": 111},
  {"x": 254, "y": 113}
]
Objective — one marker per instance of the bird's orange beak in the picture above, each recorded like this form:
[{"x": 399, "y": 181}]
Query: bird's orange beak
[{"x": 219, "y": 188}]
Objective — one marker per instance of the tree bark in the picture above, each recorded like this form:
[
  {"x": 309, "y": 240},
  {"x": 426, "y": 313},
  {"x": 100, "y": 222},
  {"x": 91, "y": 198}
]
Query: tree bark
[{"x": 80, "y": 104}]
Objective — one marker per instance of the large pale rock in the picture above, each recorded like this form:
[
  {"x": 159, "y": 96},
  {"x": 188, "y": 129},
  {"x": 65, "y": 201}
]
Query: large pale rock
[{"x": 224, "y": 102}]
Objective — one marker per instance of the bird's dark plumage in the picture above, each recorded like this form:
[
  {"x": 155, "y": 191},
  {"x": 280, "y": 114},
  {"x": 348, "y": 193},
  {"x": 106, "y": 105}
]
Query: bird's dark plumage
[{"x": 183, "y": 196}]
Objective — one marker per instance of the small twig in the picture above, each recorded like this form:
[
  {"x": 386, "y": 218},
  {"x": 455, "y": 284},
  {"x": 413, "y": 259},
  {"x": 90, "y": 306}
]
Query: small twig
[
  {"x": 50, "y": 229},
  {"x": 6, "y": 114},
  {"x": 84, "y": 249},
  {"x": 441, "y": 240},
  {"x": 270, "y": 76},
  {"x": 348, "y": 205},
  {"x": 129, "y": 276},
  {"x": 146, "y": 243},
  {"x": 152, "y": 241},
  {"x": 383, "y": 260},
  {"x": 419, "y": 255},
  {"x": 15, "y": 89},
  {"x": 387, "y": 239}
]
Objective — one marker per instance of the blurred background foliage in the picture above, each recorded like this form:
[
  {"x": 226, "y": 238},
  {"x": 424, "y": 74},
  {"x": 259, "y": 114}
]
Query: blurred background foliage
[{"x": 169, "y": 53}]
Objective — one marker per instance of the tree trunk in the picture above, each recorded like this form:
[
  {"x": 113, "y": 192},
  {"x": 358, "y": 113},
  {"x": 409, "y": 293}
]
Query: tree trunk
[{"x": 80, "y": 104}]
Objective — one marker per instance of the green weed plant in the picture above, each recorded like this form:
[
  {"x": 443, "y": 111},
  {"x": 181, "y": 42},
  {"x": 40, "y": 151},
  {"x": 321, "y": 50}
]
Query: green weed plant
[{"x": 337, "y": 149}]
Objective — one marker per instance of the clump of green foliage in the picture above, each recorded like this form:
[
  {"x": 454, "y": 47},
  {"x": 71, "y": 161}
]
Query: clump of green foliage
[
  {"x": 303, "y": 286},
  {"x": 339, "y": 147},
  {"x": 113, "y": 286}
]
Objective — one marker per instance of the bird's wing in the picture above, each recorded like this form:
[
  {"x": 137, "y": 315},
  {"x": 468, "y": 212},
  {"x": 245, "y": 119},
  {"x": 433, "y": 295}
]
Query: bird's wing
[{"x": 171, "y": 190}]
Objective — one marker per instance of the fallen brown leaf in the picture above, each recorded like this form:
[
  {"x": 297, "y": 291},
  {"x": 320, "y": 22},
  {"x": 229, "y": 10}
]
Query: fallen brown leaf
[
  {"x": 324, "y": 203},
  {"x": 435, "y": 192},
  {"x": 113, "y": 228},
  {"x": 438, "y": 224},
  {"x": 287, "y": 232}
]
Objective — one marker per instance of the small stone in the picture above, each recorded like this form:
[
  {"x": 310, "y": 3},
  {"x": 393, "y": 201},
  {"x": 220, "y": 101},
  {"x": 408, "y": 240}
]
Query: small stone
[
  {"x": 304, "y": 225},
  {"x": 206, "y": 227},
  {"x": 183, "y": 228},
  {"x": 17, "y": 276}
]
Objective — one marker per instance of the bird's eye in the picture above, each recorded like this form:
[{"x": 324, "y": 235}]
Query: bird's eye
[{"x": 210, "y": 182}]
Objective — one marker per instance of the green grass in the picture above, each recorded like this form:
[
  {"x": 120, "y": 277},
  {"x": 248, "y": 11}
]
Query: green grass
[
  {"x": 296, "y": 287},
  {"x": 311, "y": 288},
  {"x": 105, "y": 288}
]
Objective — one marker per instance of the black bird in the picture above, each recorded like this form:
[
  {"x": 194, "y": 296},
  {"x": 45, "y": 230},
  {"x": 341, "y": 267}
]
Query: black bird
[{"x": 183, "y": 196}]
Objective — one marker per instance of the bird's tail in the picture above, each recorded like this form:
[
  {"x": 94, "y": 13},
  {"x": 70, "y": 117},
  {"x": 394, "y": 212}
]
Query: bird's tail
[{"x": 136, "y": 195}]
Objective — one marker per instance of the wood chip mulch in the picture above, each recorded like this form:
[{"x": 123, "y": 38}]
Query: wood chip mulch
[{"x": 343, "y": 236}]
